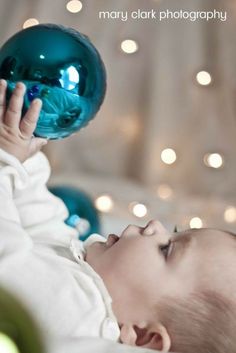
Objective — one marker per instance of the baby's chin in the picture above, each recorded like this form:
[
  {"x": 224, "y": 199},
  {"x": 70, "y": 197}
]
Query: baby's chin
[{"x": 94, "y": 251}]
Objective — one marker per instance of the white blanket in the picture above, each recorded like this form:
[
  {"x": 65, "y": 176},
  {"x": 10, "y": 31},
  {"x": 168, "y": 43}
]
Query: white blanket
[{"x": 93, "y": 345}]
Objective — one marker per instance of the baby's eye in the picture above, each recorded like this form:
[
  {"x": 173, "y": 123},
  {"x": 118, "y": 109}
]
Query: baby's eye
[{"x": 165, "y": 249}]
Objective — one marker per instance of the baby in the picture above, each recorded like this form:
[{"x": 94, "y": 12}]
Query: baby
[{"x": 170, "y": 292}]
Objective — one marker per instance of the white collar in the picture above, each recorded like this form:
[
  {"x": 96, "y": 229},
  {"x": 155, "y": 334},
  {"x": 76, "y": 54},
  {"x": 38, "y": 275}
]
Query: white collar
[{"x": 110, "y": 327}]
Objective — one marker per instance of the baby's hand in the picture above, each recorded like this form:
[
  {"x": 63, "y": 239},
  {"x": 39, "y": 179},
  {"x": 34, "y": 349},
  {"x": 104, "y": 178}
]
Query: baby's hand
[{"x": 16, "y": 133}]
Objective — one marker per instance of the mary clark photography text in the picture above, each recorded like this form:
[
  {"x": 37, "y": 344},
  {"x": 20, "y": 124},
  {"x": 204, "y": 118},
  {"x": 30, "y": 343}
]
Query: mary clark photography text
[{"x": 163, "y": 15}]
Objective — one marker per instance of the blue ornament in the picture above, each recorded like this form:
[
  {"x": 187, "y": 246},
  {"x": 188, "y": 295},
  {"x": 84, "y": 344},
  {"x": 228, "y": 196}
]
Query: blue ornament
[
  {"x": 82, "y": 213},
  {"x": 60, "y": 66}
]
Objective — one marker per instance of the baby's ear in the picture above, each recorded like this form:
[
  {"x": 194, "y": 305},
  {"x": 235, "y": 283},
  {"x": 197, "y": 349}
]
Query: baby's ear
[
  {"x": 128, "y": 334},
  {"x": 152, "y": 336}
]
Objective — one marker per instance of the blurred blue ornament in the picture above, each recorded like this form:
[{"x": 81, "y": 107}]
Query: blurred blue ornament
[
  {"x": 60, "y": 66},
  {"x": 82, "y": 213}
]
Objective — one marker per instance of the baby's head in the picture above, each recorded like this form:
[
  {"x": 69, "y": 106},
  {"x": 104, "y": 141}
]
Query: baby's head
[{"x": 171, "y": 291}]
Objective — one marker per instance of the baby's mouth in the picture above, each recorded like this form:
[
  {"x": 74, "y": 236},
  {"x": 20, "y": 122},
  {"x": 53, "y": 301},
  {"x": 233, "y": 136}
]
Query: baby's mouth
[{"x": 112, "y": 239}]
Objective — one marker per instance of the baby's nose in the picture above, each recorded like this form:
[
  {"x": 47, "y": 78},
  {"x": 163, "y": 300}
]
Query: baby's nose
[
  {"x": 154, "y": 226},
  {"x": 148, "y": 230}
]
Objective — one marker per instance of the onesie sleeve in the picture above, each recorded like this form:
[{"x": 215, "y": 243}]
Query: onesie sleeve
[
  {"x": 26, "y": 201},
  {"x": 13, "y": 238},
  {"x": 42, "y": 214}
]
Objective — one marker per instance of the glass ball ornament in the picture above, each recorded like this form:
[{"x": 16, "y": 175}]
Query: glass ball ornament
[
  {"x": 83, "y": 215},
  {"x": 60, "y": 66}
]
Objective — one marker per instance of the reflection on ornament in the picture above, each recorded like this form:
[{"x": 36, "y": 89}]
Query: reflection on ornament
[
  {"x": 129, "y": 46},
  {"x": 104, "y": 203},
  {"x": 203, "y": 78},
  {"x": 138, "y": 209},
  {"x": 230, "y": 214},
  {"x": 71, "y": 82},
  {"x": 196, "y": 222},
  {"x": 168, "y": 156}
]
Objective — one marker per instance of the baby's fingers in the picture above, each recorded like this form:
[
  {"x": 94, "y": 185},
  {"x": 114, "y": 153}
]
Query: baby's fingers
[
  {"x": 3, "y": 87},
  {"x": 13, "y": 112},
  {"x": 36, "y": 144},
  {"x": 29, "y": 122}
]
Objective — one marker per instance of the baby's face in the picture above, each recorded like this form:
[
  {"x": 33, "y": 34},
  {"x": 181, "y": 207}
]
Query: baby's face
[{"x": 151, "y": 263}]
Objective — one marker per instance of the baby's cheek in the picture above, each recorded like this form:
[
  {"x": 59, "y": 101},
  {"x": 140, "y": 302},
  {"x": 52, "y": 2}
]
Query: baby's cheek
[{"x": 128, "y": 261}]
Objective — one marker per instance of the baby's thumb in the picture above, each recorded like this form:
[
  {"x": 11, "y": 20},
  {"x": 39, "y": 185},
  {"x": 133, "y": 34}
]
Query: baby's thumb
[{"x": 36, "y": 144}]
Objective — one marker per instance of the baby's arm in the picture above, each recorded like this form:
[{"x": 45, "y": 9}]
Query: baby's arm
[
  {"x": 42, "y": 214},
  {"x": 38, "y": 211},
  {"x": 15, "y": 146}
]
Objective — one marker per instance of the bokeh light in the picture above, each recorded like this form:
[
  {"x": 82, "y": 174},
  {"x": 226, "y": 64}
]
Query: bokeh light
[
  {"x": 213, "y": 160},
  {"x": 30, "y": 22},
  {"x": 196, "y": 222},
  {"x": 168, "y": 156},
  {"x": 129, "y": 46},
  {"x": 138, "y": 209},
  {"x": 203, "y": 78},
  {"x": 74, "y": 6},
  {"x": 104, "y": 203},
  {"x": 230, "y": 214},
  {"x": 164, "y": 191}
]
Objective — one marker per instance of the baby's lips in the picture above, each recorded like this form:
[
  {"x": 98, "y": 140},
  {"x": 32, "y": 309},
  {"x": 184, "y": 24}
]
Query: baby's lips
[{"x": 112, "y": 239}]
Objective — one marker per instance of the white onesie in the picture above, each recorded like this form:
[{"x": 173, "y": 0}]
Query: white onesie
[{"x": 41, "y": 259}]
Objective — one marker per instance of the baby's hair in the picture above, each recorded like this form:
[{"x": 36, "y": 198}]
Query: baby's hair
[{"x": 200, "y": 323}]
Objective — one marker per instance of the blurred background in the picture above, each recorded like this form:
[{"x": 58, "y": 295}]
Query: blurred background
[{"x": 163, "y": 143}]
